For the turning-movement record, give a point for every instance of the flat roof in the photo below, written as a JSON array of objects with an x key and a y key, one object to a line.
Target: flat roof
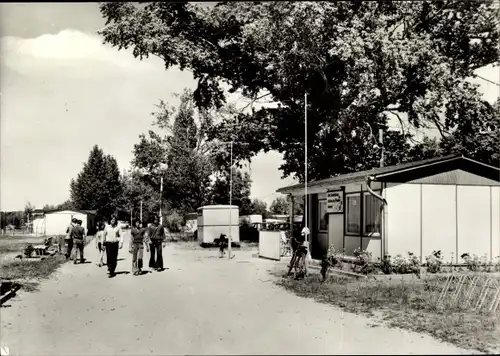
[{"x": 405, "y": 171}]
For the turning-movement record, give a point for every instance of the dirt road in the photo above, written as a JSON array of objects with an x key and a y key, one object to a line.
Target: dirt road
[{"x": 200, "y": 305}]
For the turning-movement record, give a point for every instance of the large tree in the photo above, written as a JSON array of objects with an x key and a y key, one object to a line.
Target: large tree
[
  {"x": 178, "y": 151},
  {"x": 360, "y": 62},
  {"x": 189, "y": 165},
  {"x": 240, "y": 192},
  {"x": 137, "y": 189},
  {"x": 98, "y": 185},
  {"x": 259, "y": 207}
]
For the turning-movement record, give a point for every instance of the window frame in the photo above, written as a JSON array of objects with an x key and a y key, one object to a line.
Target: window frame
[
  {"x": 347, "y": 209},
  {"x": 366, "y": 233},
  {"x": 318, "y": 220}
]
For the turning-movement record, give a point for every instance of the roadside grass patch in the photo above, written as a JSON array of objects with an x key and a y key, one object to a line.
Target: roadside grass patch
[
  {"x": 404, "y": 304},
  {"x": 28, "y": 272}
]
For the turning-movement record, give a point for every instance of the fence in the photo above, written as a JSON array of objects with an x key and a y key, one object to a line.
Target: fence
[{"x": 473, "y": 291}]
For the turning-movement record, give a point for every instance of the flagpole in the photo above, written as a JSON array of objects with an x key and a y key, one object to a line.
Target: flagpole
[
  {"x": 306, "y": 205},
  {"x": 306, "y": 198}
]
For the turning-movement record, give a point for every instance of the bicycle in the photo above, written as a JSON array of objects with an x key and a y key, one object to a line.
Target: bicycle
[{"x": 298, "y": 262}]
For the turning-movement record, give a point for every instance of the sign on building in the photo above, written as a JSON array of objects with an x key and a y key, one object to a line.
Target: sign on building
[{"x": 335, "y": 202}]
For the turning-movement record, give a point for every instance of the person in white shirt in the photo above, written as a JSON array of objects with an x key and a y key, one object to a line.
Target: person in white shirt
[{"x": 113, "y": 241}]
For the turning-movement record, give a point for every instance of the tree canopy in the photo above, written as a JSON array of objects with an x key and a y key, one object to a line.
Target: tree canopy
[
  {"x": 98, "y": 186},
  {"x": 360, "y": 62}
]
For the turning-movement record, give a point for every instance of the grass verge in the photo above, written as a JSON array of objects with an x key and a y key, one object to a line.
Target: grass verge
[
  {"x": 28, "y": 272},
  {"x": 407, "y": 305}
]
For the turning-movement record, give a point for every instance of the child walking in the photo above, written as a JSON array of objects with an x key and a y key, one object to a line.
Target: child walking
[{"x": 99, "y": 243}]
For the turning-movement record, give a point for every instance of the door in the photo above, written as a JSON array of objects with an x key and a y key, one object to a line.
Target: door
[{"x": 320, "y": 242}]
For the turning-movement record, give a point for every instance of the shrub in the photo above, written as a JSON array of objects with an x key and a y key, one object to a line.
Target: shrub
[
  {"x": 386, "y": 265},
  {"x": 404, "y": 265},
  {"x": 28, "y": 251},
  {"x": 472, "y": 263},
  {"x": 364, "y": 257},
  {"x": 249, "y": 233},
  {"x": 333, "y": 258},
  {"x": 434, "y": 261},
  {"x": 174, "y": 221},
  {"x": 497, "y": 264}
]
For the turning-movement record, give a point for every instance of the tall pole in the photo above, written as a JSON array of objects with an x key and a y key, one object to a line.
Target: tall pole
[
  {"x": 306, "y": 199},
  {"x": 230, "y": 200},
  {"x": 381, "y": 141},
  {"x": 131, "y": 212},
  {"x": 141, "y": 211},
  {"x": 161, "y": 199}
]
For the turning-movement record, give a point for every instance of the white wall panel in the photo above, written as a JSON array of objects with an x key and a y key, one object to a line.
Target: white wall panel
[
  {"x": 474, "y": 220},
  {"x": 439, "y": 220},
  {"x": 403, "y": 214},
  {"x": 495, "y": 223}
]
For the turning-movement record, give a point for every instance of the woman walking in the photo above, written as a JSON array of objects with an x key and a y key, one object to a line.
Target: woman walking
[
  {"x": 99, "y": 243},
  {"x": 137, "y": 247},
  {"x": 113, "y": 241},
  {"x": 156, "y": 239}
]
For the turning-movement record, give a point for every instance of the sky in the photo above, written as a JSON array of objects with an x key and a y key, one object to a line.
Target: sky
[{"x": 63, "y": 91}]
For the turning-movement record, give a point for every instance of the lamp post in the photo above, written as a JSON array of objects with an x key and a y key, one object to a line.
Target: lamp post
[{"x": 161, "y": 169}]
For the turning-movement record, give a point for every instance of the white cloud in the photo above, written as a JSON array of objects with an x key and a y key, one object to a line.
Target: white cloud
[
  {"x": 68, "y": 46},
  {"x": 63, "y": 93}
]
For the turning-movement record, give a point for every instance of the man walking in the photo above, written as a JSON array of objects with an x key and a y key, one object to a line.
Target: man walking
[
  {"x": 78, "y": 236},
  {"x": 156, "y": 239},
  {"x": 69, "y": 239},
  {"x": 113, "y": 241}
]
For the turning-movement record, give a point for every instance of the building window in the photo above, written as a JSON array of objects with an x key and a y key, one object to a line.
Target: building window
[
  {"x": 372, "y": 215},
  {"x": 322, "y": 216},
  {"x": 353, "y": 214}
]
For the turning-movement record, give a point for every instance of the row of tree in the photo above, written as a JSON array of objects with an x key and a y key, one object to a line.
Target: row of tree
[{"x": 178, "y": 150}]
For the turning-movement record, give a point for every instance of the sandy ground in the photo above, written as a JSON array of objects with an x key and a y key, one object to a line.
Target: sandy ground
[{"x": 200, "y": 305}]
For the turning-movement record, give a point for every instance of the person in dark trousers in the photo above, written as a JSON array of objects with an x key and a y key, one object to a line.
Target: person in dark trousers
[
  {"x": 99, "y": 242},
  {"x": 136, "y": 248},
  {"x": 78, "y": 237},
  {"x": 155, "y": 236},
  {"x": 113, "y": 241},
  {"x": 69, "y": 239}
]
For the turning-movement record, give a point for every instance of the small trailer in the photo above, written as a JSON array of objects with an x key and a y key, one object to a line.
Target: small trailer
[{"x": 214, "y": 220}]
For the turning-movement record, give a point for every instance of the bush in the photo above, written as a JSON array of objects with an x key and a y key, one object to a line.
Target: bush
[
  {"x": 404, "y": 265},
  {"x": 332, "y": 258},
  {"x": 174, "y": 222},
  {"x": 364, "y": 257},
  {"x": 28, "y": 251},
  {"x": 434, "y": 262},
  {"x": 386, "y": 265},
  {"x": 249, "y": 233}
]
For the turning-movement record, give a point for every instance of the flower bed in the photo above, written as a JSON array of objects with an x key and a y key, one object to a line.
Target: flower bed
[{"x": 404, "y": 265}]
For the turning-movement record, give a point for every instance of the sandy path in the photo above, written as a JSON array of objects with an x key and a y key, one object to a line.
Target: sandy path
[{"x": 200, "y": 305}]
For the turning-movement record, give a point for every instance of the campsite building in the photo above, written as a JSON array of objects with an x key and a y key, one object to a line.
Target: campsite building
[
  {"x": 55, "y": 222},
  {"x": 451, "y": 204}
]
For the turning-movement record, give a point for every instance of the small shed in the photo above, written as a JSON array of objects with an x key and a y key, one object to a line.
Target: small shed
[
  {"x": 451, "y": 204},
  {"x": 214, "y": 220},
  {"x": 57, "y": 221}
]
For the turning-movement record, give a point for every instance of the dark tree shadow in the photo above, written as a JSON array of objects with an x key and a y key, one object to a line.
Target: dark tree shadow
[
  {"x": 145, "y": 272},
  {"x": 122, "y": 272}
]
